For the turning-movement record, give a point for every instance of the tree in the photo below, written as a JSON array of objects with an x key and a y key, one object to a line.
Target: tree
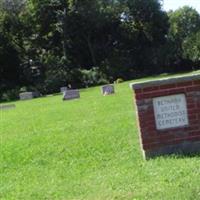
[
  {"x": 50, "y": 43},
  {"x": 10, "y": 44},
  {"x": 9, "y": 65},
  {"x": 145, "y": 27},
  {"x": 91, "y": 30},
  {"x": 191, "y": 48},
  {"x": 184, "y": 23}
]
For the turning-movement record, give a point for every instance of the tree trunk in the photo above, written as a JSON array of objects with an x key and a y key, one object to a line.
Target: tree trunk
[{"x": 91, "y": 51}]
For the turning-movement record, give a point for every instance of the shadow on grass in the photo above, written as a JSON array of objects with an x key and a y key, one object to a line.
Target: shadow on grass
[{"x": 179, "y": 155}]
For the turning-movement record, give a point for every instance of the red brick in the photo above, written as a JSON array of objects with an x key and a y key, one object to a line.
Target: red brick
[
  {"x": 193, "y": 88},
  {"x": 169, "y": 86},
  {"x": 138, "y": 91},
  {"x": 184, "y": 84},
  {"x": 197, "y": 82},
  {"x": 150, "y": 89}
]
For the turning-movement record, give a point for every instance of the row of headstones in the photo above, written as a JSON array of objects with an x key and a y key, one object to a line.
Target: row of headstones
[
  {"x": 22, "y": 96},
  {"x": 67, "y": 93},
  {"x": 75, "y": 94}
]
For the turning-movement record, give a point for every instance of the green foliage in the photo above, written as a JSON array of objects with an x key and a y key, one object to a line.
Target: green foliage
[
  {"x": 91, "y": 30},
  {"x": 23, "y": 89},
  {"x": 144, "y": 28},
  {"x": 58, "y": 74},
  {"x": 183, "y": 22},
  {"x": 191, "y": 47},
  {"x": 10, "y": 95},
  {"x": 9, "y": 64},
  {"x": 93, "y": 77},
  {"x": 149, "y": 20},
  {"x": 49, "y": 43}
]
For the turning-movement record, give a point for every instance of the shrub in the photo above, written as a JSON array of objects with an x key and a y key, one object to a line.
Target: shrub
[
  {"x": 93, "y": 77},
  {"x": 23, "y": 89},
  {"x": 10, "y": 95}
]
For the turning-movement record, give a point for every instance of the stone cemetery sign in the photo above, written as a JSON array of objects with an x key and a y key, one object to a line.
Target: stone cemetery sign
[
  {"x": 71, "y": 94},
  {"x": 7, "y": 107},
  {"x": 107, "y": 90},
  {"x": 168, "y": 112},
  {"x": 28, "y": 95}
]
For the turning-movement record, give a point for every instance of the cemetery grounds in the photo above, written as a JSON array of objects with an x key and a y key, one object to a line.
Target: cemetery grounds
[{"x": 86, "y": 149}]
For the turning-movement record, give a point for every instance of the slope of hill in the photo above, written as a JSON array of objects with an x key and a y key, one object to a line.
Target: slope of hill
[{"x": 86, "y": 149}]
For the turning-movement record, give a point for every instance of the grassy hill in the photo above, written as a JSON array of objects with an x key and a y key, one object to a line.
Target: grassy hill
[{"x": 86, "y": 149}]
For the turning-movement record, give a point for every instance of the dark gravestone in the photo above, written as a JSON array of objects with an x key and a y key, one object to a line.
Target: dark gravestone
[
  {"x": 71, "y": 94},
  {"x": 7, "y": 107},
  {"x": 28, "y": 95},
  {"x": 107, "y": 90}
]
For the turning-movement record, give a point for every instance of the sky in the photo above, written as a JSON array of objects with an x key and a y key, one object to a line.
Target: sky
[{"x": 175, "y": 4}]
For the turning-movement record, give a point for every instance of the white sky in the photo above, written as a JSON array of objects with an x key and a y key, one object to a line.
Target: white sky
[{"x": 175, "y": 4}]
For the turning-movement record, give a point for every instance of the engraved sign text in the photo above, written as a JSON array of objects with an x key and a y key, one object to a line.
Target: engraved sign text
[{"x": 170, "y": 111}]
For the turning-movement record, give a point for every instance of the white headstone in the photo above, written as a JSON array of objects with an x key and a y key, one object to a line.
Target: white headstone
[
  {"x": 170, "y": 111},
  {"x": 107, "y": 89}
]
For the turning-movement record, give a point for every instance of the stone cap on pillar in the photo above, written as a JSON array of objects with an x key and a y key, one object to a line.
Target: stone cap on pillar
[{"x": 165, "y": 81}]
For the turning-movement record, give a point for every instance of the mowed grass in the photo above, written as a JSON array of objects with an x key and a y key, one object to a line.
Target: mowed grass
[{"x": 86, "y": 149}]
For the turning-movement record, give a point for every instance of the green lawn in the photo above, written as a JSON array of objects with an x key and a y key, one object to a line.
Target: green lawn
[{"x": 86, "y": 149}]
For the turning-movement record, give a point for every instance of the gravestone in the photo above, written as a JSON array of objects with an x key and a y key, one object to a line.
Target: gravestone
[
  {"x": 63, "y": 89},
  {"x": 168, "y": 113},
  {"x": 28, "y": 95},
  {"x": 7, "y": 106},
  {"x": 107, "y": 90},
  {"x": 71, "y": 94}
]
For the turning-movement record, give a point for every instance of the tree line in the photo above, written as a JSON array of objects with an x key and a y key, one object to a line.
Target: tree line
[{"x": 46, "y": 44}]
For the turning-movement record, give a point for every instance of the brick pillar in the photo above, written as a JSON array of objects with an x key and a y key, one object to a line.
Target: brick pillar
[{"x": 168, "y": 113}]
